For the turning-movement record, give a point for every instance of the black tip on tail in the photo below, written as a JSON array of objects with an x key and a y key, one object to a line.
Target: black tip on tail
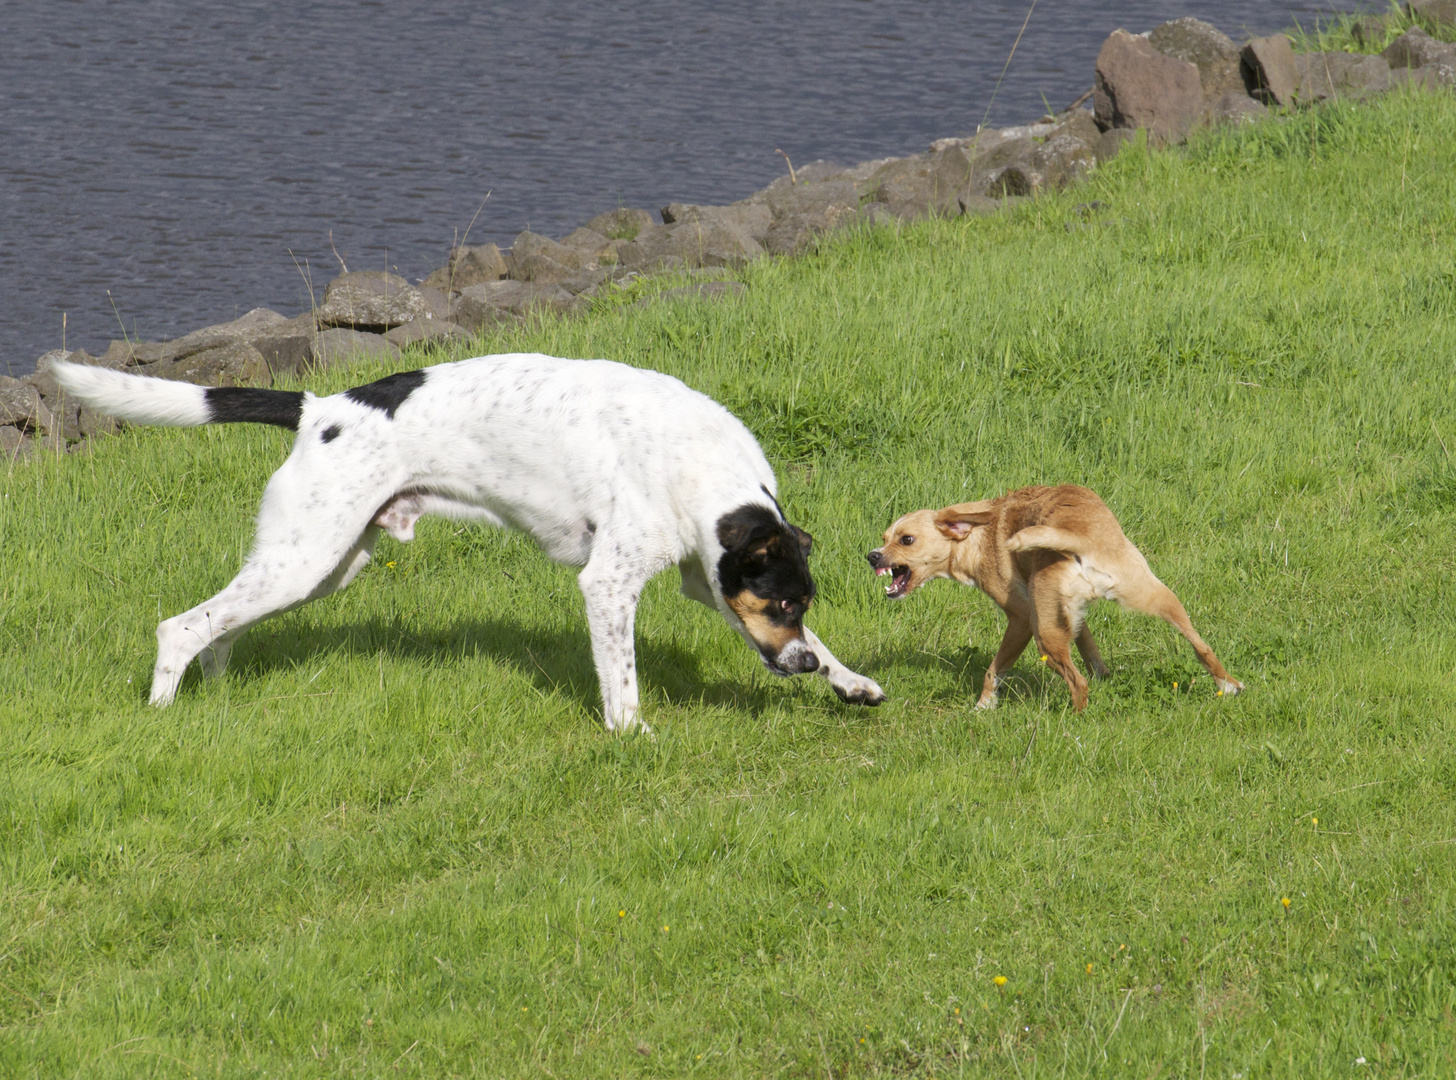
[{"x": 245, "y": 405}]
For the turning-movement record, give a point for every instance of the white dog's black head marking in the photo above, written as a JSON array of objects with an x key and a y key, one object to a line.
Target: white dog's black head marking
[
  {"x": 764, "y": 575},
  {"x": 389, "y": 393}
]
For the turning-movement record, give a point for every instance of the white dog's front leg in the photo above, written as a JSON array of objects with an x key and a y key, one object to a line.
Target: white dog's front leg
[
  {"x": 611, "y": 590},
  {"x": 853, "y": 688}
]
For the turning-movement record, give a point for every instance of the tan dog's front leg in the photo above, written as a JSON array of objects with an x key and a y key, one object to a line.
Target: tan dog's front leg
[{"x": 1013, "y": 643}]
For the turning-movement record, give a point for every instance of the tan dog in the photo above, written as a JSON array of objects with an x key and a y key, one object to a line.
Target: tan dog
[{"x": 1043, "y": 554}]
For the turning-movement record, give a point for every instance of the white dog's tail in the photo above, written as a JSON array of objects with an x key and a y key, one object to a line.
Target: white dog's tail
[{"x": 140, "y": 399}]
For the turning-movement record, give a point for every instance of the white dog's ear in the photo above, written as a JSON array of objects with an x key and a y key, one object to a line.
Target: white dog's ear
[{"x": 956, "y": 522}]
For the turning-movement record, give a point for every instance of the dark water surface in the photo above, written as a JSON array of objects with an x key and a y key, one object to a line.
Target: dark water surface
[{"x": 167, "y": 165}]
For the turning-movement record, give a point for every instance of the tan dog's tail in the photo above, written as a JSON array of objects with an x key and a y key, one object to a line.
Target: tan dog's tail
[{"x": 1046, "y": 538}]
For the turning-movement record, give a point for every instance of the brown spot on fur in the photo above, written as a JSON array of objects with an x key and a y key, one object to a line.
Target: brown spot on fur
[{"x": 765, "y": 626}]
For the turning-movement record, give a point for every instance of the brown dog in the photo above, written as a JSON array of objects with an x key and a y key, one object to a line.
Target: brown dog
[{"x": 1043, "y": 554}]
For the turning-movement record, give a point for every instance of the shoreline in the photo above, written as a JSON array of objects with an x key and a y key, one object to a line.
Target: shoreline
[{"x": 1178, "y": 78}]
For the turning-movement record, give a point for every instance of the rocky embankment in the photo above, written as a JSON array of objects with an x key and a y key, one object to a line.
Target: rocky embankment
[{"x": 1181, "y": 76}]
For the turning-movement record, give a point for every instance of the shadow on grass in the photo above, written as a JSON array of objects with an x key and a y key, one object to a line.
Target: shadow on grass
[{"x": 557, "y": 661}]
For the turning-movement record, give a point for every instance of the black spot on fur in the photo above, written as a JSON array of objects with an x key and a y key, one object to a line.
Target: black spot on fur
[
  {"x": 246, "y": 405},
  {"x": 767, "y": 557},
  {"x": 389, "y": 393},
  {"x": 330, "y": 433}
]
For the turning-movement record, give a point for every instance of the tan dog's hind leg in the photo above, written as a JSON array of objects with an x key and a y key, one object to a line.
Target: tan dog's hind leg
[
  {"x": 1054, "y": 621},
  {"x": 1141, "y": 591},
  {"x": 1090, "y": 656}
]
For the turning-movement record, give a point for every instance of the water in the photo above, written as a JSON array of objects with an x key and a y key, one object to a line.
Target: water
[{"x": 165, "y": 165}]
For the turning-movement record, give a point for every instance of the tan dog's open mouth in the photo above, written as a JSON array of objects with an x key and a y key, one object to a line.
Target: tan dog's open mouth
[{"x": 899, "y": 580}]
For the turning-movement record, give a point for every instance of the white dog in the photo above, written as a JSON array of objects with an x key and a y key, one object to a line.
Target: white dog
[{"x": 611, "y": 468}]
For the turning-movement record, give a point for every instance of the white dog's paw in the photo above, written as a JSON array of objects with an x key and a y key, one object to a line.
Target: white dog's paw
[
  {"x": 1228, "y": 687},
  {"x": 855, "y": 689}
]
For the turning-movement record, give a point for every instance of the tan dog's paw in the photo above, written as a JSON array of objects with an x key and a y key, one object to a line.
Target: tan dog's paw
[
  {"x": 1229, "y": 687},
  {"x": 987, "y": 702}
]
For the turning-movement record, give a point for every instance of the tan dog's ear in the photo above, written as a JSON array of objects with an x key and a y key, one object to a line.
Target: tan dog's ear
[{"x": 955, "y": 522}]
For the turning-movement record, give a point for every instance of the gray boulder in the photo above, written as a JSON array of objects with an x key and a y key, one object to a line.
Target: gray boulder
[
  {"x": 437, "y": 330},
  {"x": 286, "y": 347},
  {"x": 437, "y": 302},
  {"x": 1078, "y": 123},
  {"x": 1369, "y": 30},
  {"x": 1270, "y": 70},
  {"x": 370, "y": 300},
  {"x": 342, "y": 345},
  {"x": 1136, "y": 86},
  {"x": 468, "y": 266},
  {"x": 1233, "y": 108},
  {"x": 1340, "y": 75},
  {"x": 1417, "y": 49},
  {"x": 13, "y": 444},
  {"x": 584, "y": 279},
  {"x": 22, "y": 408},
  {"x": 922, "y": 185},
  {"x": 1416, "y": 78},
  {"x": 540, "y": 259},
  {"x": 623, "y": 223},
  {"x": 752, "y": 218},
  {"x": 591, "y": 245},
  {"x": 233, "y": 363},
  {"x": 1113, "y": 141},
  {"x": 1061, "y": 160},
  {"x": 1433, "y": 12},
  {"x": 803, "y": 211},
  {"x": 493, "y": 302},
  {"x": 1207, "y": 48},
  {"x": 689, "y": 244}
]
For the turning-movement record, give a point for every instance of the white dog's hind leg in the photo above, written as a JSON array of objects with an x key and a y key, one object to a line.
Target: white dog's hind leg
[
  {"x": 270, "y": 582},
  {"x": 856, "y": 689},
  {"x": 611, "y": 584}
]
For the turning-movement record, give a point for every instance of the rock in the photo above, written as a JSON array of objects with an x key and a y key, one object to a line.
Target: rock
[
  {"x": 1060, "y": 161},
  {"x": 125, "y": 354},
  {"x": 540, "y": 259},
  {"x": 42, "y": 379},
  {"x": 1417, "y": 49},
  {"x": 802, "y": 211},
  {"x": 1078, "y": 123},
  {"x": 1369, "y": 30},
  {"x": 13, "y": 443},
  {"x": 1269, "y": 69},
  {"x": 1422, "y": 78},
  {"x": 925, "y": 184},
  {"x": 1207, "y": 48},
  {"x": 752, "y": 218},
  {"x": 1005, "y": 166},
  {"x": 370, "y": 300},
  {"x": 1113, "y": 141},
  {"x": 1340, "y": 75},
  {"x": 1138, "y": 87},
  {"x": 287, "y": 347},
  {"x": 816, "y": 172},
  {"x": 437, "y": 302},
  {"x": 1432, "y": 12},
  {"x": 693, "y": 243},
  {"x": 621, "y": 224},
  {"x": 589, "y": 244},
  {"x": 1234, "y": 107},
  {"x": 707, "y": 290},
  {"x": 22, "y": 408},
  {"x": 582, "y": 280},
  {"x": 235, "y": 363},
  {"x": 341, "y": 345},
  {"x": 468, "y": 266},
  {"x": 413, "y": 333},
  {"x": 494, "y": 302},
  {"x": 256, "y": 323}
]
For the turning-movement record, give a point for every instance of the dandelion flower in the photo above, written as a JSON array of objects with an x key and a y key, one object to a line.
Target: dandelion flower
[
  {"x": 1089, "y": 969},
  {"x": 664, "y": 929},
  {"x": 1314, "y": 821},
  {"x": 1286, "y": 902},
  {"x": 622, "y": 914},
  {"x": 999, "y": 980},
  {"x": 389, "y": 565}
]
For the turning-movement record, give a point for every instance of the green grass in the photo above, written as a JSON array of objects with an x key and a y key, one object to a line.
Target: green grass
[
  {"x": 1336, "y": 32},
  {"x": 396, "y": 841}
]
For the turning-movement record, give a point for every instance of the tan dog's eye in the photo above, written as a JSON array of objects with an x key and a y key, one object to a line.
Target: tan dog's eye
[{"x": 907, "y": 540}]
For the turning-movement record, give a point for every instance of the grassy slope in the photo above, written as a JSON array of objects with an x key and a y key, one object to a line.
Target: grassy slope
[{"x": 395, "y": 839}]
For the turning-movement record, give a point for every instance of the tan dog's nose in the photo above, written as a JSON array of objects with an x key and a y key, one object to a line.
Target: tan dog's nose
[{"x": 876, "y": 558}]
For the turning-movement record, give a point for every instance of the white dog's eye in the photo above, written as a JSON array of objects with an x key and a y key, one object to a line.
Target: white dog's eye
[{"x": 907, "y": 540}]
